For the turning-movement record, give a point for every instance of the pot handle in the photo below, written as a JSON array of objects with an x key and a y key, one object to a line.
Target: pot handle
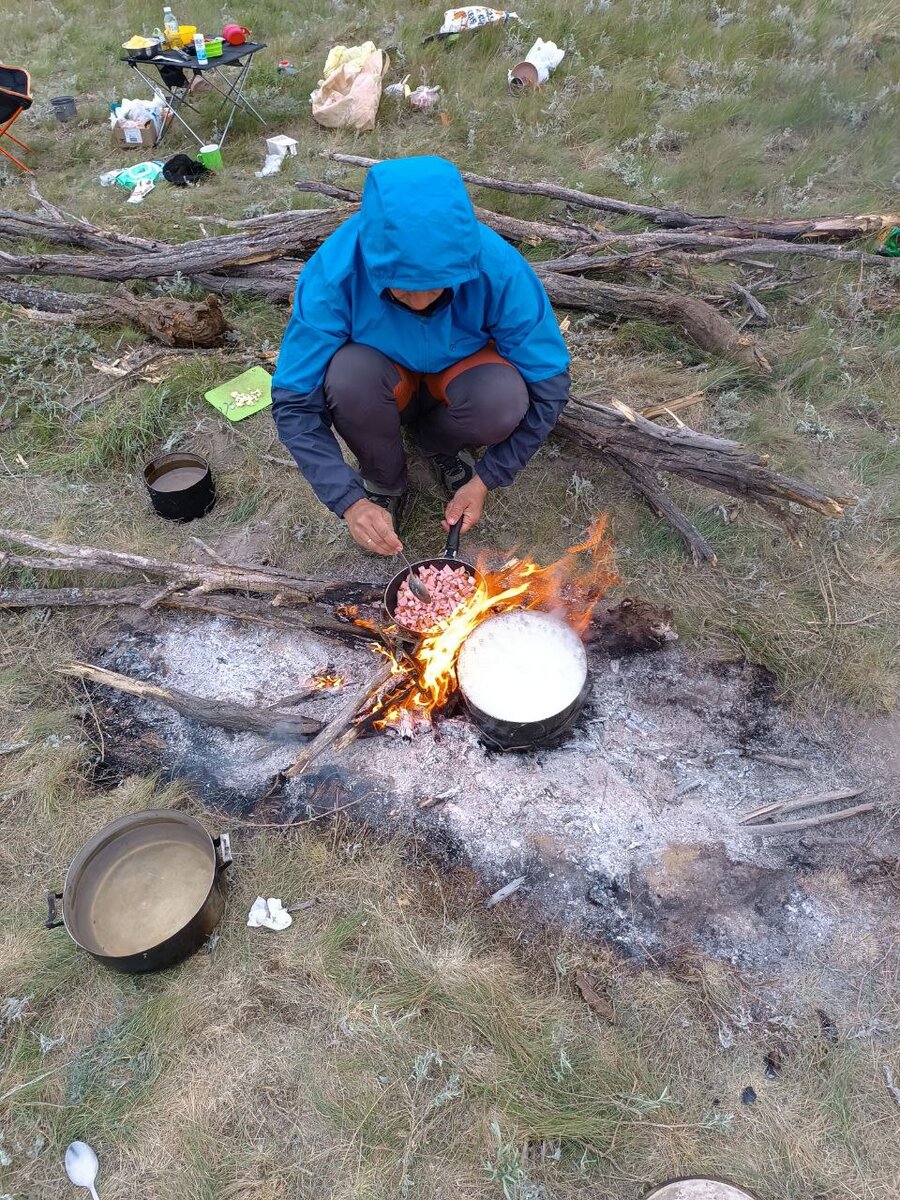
[
  {"x": 451, "y": 550},
  {"x": 224, "y": 857},
  {"x": 53, "y": 919}
]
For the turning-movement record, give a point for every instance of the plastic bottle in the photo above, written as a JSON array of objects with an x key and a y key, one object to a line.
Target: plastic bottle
[
  {"x": 170, "y": 26},
  {"x": 200, "y": 47}
]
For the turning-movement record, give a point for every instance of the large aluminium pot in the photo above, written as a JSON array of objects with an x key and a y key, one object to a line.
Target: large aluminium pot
[
  {"x": 539, "y": 666},
  {"x": 698, "y": 1189},
  {"x": 145, "y": 891}
]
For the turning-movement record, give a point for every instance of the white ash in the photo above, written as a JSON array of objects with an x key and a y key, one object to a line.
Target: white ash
[
  {"x": 636, "y": 810},
  {"x": 522, "y": 666}
]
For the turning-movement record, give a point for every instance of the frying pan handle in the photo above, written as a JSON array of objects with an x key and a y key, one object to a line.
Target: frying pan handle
[
  {"x": 53, "y": 919},
  {"x": 451, "y": 550},
  {"x": 224, "y": 857}
]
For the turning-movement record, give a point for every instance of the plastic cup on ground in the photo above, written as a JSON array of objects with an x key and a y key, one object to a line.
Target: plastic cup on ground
[{"x": 210, "y": 156}]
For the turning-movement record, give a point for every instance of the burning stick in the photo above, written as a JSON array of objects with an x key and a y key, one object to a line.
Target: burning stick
[
  {"x": 349, "y": 710},
  {"x": 321, "y": 685}
]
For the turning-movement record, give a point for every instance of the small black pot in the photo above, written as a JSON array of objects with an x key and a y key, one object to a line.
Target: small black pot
[{"x": 181, "y": 486}]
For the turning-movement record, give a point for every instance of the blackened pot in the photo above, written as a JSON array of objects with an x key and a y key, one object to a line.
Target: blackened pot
[
  {"x": 145, "y": 891},
  {"x": 181, "y": 486},
  {"x": 527, "y": 651},
  {"x": 526, "y": 735}
]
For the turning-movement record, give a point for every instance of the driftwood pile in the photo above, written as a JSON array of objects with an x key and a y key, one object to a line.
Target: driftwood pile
[{"x": 264, "y": 256}]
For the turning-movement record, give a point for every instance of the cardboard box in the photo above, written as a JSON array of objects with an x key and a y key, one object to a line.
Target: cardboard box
[{"x": 126, "y": 134}]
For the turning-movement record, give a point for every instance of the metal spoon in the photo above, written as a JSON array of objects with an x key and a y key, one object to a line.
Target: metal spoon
[
  {"x": 416, "y": 586},
  {"x": 82, "y": 1166}
]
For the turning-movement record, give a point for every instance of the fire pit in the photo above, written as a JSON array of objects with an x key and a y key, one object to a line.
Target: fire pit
[{"x": 527, "y": 670}]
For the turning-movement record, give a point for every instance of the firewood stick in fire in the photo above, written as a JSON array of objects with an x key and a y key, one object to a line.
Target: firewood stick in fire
[{"x": 340, "y": 721}]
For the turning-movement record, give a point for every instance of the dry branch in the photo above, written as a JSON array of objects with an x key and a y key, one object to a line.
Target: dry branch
[
  {"x": 205, "y": 577},
  {"x": 693, "y": 318},
  {"x": 811, "y": 822},
  {"x": 842, "y": 228},
  {"x": 241, "y": 608},
  {"x": 809, "y": 800},
  {"x": 648, "y": 486},
  {"x": 224, "y": 713}
]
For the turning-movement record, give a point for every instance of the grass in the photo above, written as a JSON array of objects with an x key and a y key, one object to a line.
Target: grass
[{"x": 397, "y": 1041}]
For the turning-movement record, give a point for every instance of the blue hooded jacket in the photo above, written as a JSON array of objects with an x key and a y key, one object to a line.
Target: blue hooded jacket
[{"x": 416, "y": 230}]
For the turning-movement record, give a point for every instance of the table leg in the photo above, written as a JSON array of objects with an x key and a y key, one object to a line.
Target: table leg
[{"x": 172, "y": 101}]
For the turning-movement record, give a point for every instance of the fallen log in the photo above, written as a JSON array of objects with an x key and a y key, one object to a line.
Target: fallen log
[
  {"x": 179, "y": 323},
  {"x": 202, "y": 577},
  {"x": 678, "y": 246},
  {"x": 314, "y": 617},
  {"x": 841, "y": 228},
  {"x": 713, "y": 462},
  {"x": 226, "y": 714},
  {"x": 696, "y": 320}
]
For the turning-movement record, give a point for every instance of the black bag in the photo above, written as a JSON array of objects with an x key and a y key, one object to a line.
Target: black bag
[{"x": 181, "y": 170}]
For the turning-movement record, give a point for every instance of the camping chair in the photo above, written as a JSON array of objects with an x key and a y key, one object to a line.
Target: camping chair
[{"x": 15, "y": 97}]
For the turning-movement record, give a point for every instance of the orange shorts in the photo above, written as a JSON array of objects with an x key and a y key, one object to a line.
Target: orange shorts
[{"x": 436, "y": 384}]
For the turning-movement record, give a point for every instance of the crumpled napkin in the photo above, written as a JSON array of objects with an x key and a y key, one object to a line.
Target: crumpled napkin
[{"x": 268, "y": 914}]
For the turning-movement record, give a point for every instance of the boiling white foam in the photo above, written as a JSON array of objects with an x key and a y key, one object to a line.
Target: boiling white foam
[{"x": 522, "y": 666}]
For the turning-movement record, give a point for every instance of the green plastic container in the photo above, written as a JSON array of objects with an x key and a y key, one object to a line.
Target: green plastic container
[{"x": 214, "y": 48}]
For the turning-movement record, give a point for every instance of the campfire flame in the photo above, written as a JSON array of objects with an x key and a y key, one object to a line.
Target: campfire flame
[
  {"x": 569, "y": 588},
  {"x": 327, "y": 683}
]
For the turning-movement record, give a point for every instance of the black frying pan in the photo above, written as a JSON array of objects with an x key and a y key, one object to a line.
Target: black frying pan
[{"x": 450, "y": 558}]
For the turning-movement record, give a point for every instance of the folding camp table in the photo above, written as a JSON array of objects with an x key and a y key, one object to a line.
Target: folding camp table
[{"x": 169, "y": 74}]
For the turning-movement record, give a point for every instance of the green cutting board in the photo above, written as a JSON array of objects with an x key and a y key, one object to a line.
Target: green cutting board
[{"x": 256, "y": 377}]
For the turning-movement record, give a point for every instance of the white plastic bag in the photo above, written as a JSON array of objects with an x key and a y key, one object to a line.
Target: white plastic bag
[
  {"x": 349, "y": 95},
  {"x": 545, "y": 57}
]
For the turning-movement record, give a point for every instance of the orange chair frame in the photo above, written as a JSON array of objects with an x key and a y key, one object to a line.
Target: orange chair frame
[{"x": 5, "y": 128}]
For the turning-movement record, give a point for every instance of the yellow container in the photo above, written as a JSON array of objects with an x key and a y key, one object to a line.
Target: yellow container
[{"x": 186, "y": 34}]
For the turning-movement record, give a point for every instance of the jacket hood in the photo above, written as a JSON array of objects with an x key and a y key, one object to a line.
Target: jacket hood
[{"x": 417, "y": 227}]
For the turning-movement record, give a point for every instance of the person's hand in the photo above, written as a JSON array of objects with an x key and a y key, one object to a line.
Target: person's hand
[
  {"x": 467, "y": 503},
  {"x": 371, "y": 527}
]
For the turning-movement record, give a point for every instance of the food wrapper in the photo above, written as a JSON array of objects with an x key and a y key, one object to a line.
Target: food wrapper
[{"x": 459, "y": 20}]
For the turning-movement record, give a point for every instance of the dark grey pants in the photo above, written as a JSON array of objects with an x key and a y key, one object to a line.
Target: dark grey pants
[{"x": 476, "y": 402}]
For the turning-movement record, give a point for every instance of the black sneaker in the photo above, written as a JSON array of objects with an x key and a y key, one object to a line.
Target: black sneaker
[
  {"x": 395, "y": 505},
  {"x": 453, "y": 470}
]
